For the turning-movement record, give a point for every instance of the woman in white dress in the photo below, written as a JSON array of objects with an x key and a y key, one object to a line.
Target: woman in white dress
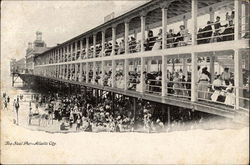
[
  {"x": 203, "y": 85},
  {"x": 157, "y": 45},
  {"x": 230, "y": 96}
]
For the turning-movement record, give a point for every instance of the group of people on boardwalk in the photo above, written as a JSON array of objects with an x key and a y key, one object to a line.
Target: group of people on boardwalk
[
  {"x": 214, "y": 31},
  {"x": 88, "y": 113}
]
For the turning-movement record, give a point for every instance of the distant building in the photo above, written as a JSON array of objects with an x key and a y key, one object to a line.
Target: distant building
[
  {"x": 17, "y": 66},
  {"x": 12, "y": 65},
  {"x": 35, "y": 48}
]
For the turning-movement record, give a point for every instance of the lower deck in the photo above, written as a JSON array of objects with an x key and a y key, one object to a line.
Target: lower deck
[{"x": 203, "y": 106}]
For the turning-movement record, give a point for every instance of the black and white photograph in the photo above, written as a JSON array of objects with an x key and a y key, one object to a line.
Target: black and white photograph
[{"x": 125, "y": 82}]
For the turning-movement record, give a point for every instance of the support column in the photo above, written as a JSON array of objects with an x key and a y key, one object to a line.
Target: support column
[
  {"x": 87, "y": 47},
  {"x": 194, "y": 75},
  {"x": 143, "y": 25},
  {"x": 211, "y": 67},
  {"x": 185, "y": 22},
  {"x": 149, "y": 61},
  {"x": 164, "y": 76},
  {"x": 113, "y": 39},
  {"x": 134, "y": 107},
  {"x": 87, "y": 72},
  {"x": 113, "y": 73},
  {"x": 135, "y": 34},
  {"x": 126, "y": 36},
  {"x": 76, "y": 50},
  {"x": 80, "y": 73},
  {"x": 65, "y": 54},
  {"x": 238, "y": 80},
  {"x": 67, "y": 71},
  {"x": 76, "y": 70},
  {"x": 237, "y": 22},
  {"x": 126, "y": 71},
  {"x": 164, "y": 12},
  {"x": 211, "y": 14},
  {"x": 94, "y": 71},
  {"x": 103, "y": 42},
  {"x": 94, "y": 44},
  {"x": 103, "y": 72},
  {"x": 71, "y": 52},
  {"x": 68, "y": 53},
  {"x": 81, "y": 47},
  {"x": 194, "y": 21},
  {"x": 245, "y": 18},
  {"x": 142, "y": 78},
  {"x": 70, "y": 71},
  {"x": 184, "y": 64},
  {"x": 59, "y": 71},
  {"x": 169, "y": 117}
]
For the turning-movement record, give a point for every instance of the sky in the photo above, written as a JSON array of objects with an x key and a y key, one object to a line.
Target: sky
[{"x": 57, "y": 20}]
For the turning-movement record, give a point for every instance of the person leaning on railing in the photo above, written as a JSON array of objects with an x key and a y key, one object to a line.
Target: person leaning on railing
[
  {"x": 218, "y": 26},
  {"x": 205, "y": 33},
  {"x": 121, "y": 49},
  {"x": 132, "y": 45},
  {"x": 170, "y": 38},
  {"x": 149, "y": 41},
  {"x": 228, "y": 33},
  {"x": 158, "y": 42},
  {"x": 182, "y": 36}
]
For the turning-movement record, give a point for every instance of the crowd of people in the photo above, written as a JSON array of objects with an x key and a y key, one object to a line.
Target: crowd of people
[
  {"x": 212, "y": 32},
  {"x": 86, "y": 112}
]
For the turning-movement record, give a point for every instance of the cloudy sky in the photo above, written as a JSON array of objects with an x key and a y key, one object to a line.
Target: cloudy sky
[{"x": 57, "y": 20}]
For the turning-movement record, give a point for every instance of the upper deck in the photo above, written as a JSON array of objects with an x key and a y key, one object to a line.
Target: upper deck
[{"x": 163, "y": 65}]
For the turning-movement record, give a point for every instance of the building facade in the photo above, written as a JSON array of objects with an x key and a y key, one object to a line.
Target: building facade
[{"x": 34, "y": 49}]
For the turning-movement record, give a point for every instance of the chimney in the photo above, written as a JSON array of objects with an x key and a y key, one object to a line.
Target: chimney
[{"x": 39, "y": 36}]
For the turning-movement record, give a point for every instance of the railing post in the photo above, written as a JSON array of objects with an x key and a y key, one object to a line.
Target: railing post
[
  {"x": 211, "y": 14},
  {"x": 185, "y": 21},
  {"x": 67, "y": 71},
  {"x": 76, "y": 70},
  {"x": 94, "y": 45},
  {"x": 87, "y": 72},
  {"x": 126, "y": 36},
  {"x": 75, "y": 50},
  {"x": 113, "y": 39},
  {"x": 143, "y": 25},
  {"x": 103, "y": 72},
  {"x": 164, "y": 76},
  {"x": 80, "y": 73},
  {"x": 142, "y": 78},
  {"x": 237, "y": 22},
  {"x": 211, "y": 67},
  {"x": 80, "y": 49},
  {"x": 113, "y": 73},
  {"x": 194, "y": 77},
  {"x": 126, "y": 71},
  {"x": 71, "y": 52},
  {"x": 194, "y": 21},
  {"x": 237, "y": 77},
  {"x": 184, "y": 64},
  {"x": 87, "y": 47},
  {"x": 94, "y": 71},
  {"x": 103, "y": 42},
  {"x": 68, "y": 53},
  {"x": 59, "y": 71},
  {"x": 245, "y": 20},
  {"x": 164, "y": 12}
]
